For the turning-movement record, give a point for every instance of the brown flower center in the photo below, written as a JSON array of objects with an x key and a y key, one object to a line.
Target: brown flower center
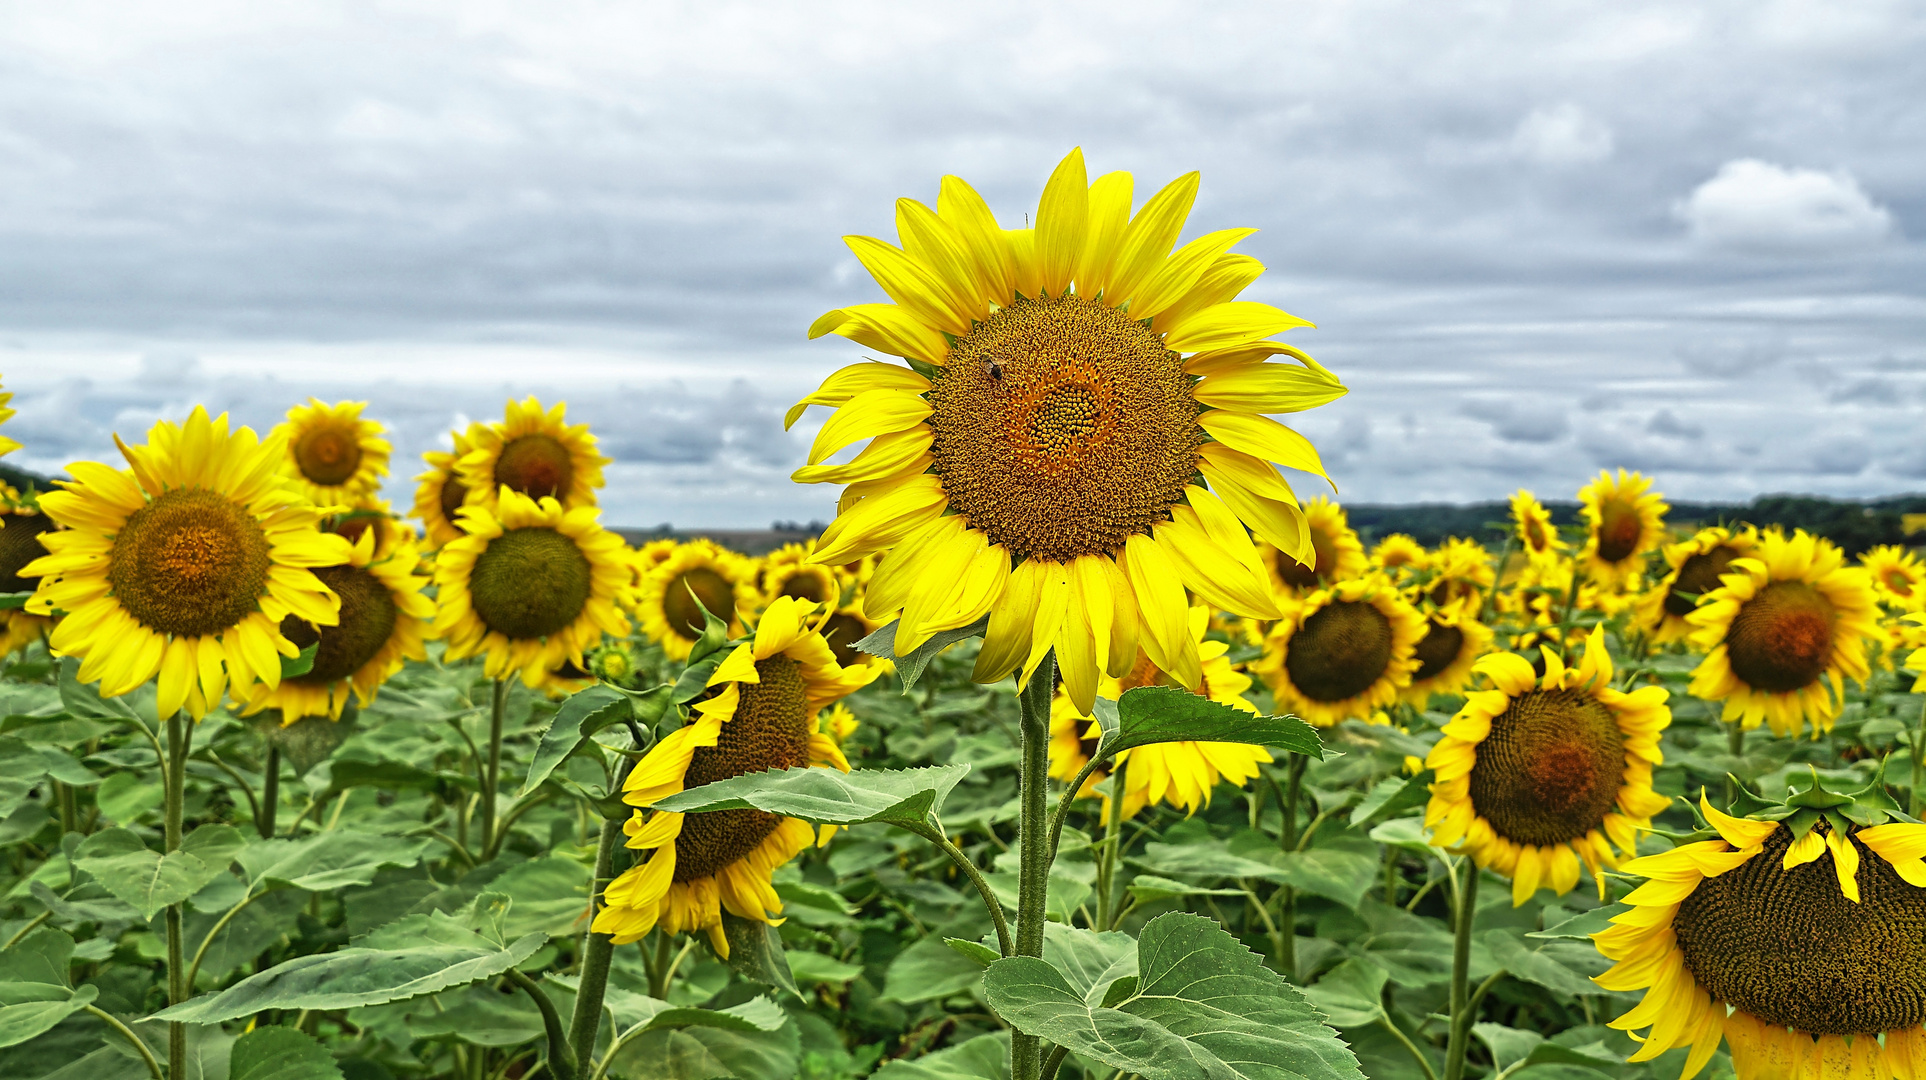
[
  {"x": 1619, "y": 529},
  {"x": 1340, "y": 651},
  {"x": 328, "y": 454},
  {"x": 530, "y": 583},
  {"x": 1698, "y": 575},
  {"x": 453, "y": 494},
  {"x": 538, "y": 466},
  {"x": 842, "y": 631},
  {"x": 189, "y": 563},
  {"x": 20, "y": 545},
  {"x": 1321, "y": 568},
  {"x": 681, "y": 610},
  {"x": 805, "y": 584},
  {"x": 1436, "y": 650},
  {"x": 769, "y": 731},
  {"x": 1550, "y": 769},
  {"x": 367, "y": 618},
  {"x": 1781, "y": 639}
]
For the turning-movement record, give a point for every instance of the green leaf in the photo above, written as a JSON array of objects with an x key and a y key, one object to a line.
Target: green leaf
[
  {"x": 1508, "y": 1046},
  {"x": 84, "y": 702},
  {"x": 907, "y": 797},
  {"x": 755, "y": 952},
  {"x": 986, "y": 1057},
  {"x": 1390, "y": 797},
  {"x": 30, "y": 1019},
  {"x": 581, "y": 716},
  {"x": 1157, "y": 714},
  {"x": 550, "y": 896},
  {"x": 814, "y": 968},
  {"x": 634, "y": 1013},
  {"x": 280, "y": 1053},
  {"x": 421, "y": 954},
  {"x": 882, "y": 642},
  {"x": 706, "y": 1053},
  {"x": 309, "y": 741},
  {"x": 478, "y": 1015},
  {"x": 1149, "y": 889},
  {"x": 1511, "y": 953},
  {"x": 1582, "y": 925},
  {"x": 42, "y": 957},
  {"x": 1343, "y": 874},
  {"x": 694, "y": 679},
  {"x": 124, "y": 797},
  {"x": 296, "y": 666},
  {"x": 975, "y": 950},
  {"x": 149, "y": 881},
  {"x": 1205, "y": 1008},
  {"x": 93, "y": 909},
  {"x": 14, "y": 600},
  {"x": 929, "y": 970},
  {"x": 328, "y": 861},
  {"x": 1351, "y": 994}
]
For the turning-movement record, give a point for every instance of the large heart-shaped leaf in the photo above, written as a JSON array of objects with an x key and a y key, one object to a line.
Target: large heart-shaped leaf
[
  {"x": 1158, "y": 714},
  {"x": 1203, "y": 1008},
  {"x": 907, "y": 797},
  {"x": 328, "y": 861},
  {"x": 34, "y": 989},
  {"x": 581, "y": 716},
  {"x": 148, "y": 880},
  {"x": 280, "y": 1053}
]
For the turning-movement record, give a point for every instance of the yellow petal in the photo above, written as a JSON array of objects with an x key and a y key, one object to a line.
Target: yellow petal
[
  {"x": 1062, "y": 218},
  {"x": 1109, "y": 216},
  {"x": 1269, "y": 388},
  {"x": 881, "y": 520},
  {"x": 910, "y": 284},
  {"x": 1264, "y": 438},
  {"x": 965, "y": 210},
  {"x": 1155, "y": 581},
  {"x": 1149, "y": 238},
  {"x": 847, "y": 382},
  {"x": 868, "y": 414},
  {"x": 1181, "y": 272}
]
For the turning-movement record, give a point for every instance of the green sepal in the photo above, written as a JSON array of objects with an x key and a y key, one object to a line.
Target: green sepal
[
  {"x": 715, "y": 632},
  {"x": 929, "y": 371},
  {"x": 1801, "y": 823},
  {"x": 295, "y": 666},
  {"x": 12, "y": 601}
]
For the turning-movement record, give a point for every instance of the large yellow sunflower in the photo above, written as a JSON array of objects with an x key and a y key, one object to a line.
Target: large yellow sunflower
[
  {"x": 1343, "y": 652},
  {"x": 440, "y": 491},
  {"x": 1447, "y": 654},
  {"x": 333, "y": 456},
  {"x": 1339, "y": 554},
  {"x": 1697, "y": 564},
  {"x": 383, "y": 620},
  {"x": 532, "y": 585},
  {"x": 185, "y": 567},
  {"x": 1784, "y": 939},
  {"x": 535, "y": 453},
  {"x": 1180, "y": 773},
  {"x": 762, "y": 715},
  {"x": 1785, "y": 621},
  {"x": 21, "y": 524},
  {"x": 1623, "y": 521},
  {"x": 1898, "y": 577},
  {"x": 700, "y": 570},
  {"x": 1537, "y": 775},
  {"x": 1038, "y": 462},
  {"x": 787, "y": 571},
  {"x": 1532, "y": 525}
]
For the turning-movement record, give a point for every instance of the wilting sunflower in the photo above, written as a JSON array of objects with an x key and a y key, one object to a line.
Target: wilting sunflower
[
  {"x": 1623, "y": 521},
  {"x": 333, "y": 456},
  {"x": 1784, "y": 939},
  {"x": 1447, "y": 654},
  {"x": 1398, "y": 552},
  {"x": 185, "y": 567},
  {"x": 1343, "y": 652},
  {"x": 1037, "y": 461},
  {"x": 1532, "y": 525},
  {"x": 700, "y": 570},
  {"x": 21, "y": 524},
  {"x": 1180, "y": 773},
  {"x": 1535, "y": 776},
  {"x": 787, "y": 571},
  {"x": 531, "y": 585},
  {"x": 1898, "y": 577},
  {"x": 1339, "y": 553},
  {"x": 1697, "y": 564},
  {"x": 534, "y": 453},
  {"x": 1785, "y": 620},
  {"x": 440, "y": 492},
  {"x": 762, "y": 715},
  {"x": 383, "y": 619}
]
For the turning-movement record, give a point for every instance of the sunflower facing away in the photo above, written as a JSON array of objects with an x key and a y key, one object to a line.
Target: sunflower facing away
[
  {"x": 1697, "y": 564},
  {"x": 1344, "y": 652},
  {"x": 1623, "y": 521},
  {"x": 333, "y": 456},
  {"x": 1532, "y": 525},
  {"x": 762, "y": 715},
  {"x": 535, "y": 453},
  {"x": 383, "y": 620},
  {"x": 439, "y": 492},
  {"x": 697, "y": 575},
  {"x": 531, "y": 585},
  {"x": 1339, "y": 553},
  {"x": 787, "y": 571},
  {"x": 1180, "y": 773},
  {"x": 1535, "y": 776},
  {"x": 185, "y": 567},
  {"x": 1784, "y": 622},
  {"x": 1798, "y": 948},
  {"x": 1037, "y": 460},
  {"x": 1898, "y": 577}
]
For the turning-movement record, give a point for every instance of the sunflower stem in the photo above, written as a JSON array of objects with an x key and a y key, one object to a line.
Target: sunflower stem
[
  {"x": 1462, "y": 1005},
  {"x": 1033, "y": 844},
  {"x": 1107, "y": 904},
  {"x": 270, "y": 793},
  {"x": 492, "y": 771},
  {"x": 173, "y": 781},
  {"x": 1916, "y": 797},
  {"x": 598, "y": 950},
  {"x": 1287, "y": 840},
  {"x": 1735, "y": 744}
]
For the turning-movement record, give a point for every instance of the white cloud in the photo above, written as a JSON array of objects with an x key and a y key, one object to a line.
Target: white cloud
[
  {"x": 1562, "y": 135},
  {"x": 1756, "y": 204}
]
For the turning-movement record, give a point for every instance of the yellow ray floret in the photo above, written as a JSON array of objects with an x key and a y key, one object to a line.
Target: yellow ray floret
[
  {"x": 1898, "y": 577},
  {"x": 1533, "y": 529},
  {"x": 1696, "y": 566},
  {"x": 440, "y": 493},
  {"x": 534, "y": 452}
]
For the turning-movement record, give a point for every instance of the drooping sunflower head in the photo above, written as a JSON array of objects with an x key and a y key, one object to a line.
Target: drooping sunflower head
[
  {"x": 1051, "y": 413},
  {"x": 1624, "y": 519},
  {"x": 1799, "y": 941},
  {"x": 1898, "y": 577},
  {"x": 1696, "y": 565},
  {"x": 383, "y": 622},
  {"x": 1343, "y": 652},
  {"x": 699, "y": 575},
  {"x": 1532, "y": 525},
  {"x": 1338, "y": 553},
  {"x": 761, "y": 713},
  {"x": 185, "y": 567},
  {"x": 531, "y": 585},
  {"x": 1453, "y": 641},
  {"x": 1538, "y": 775},
  {"x": 333, "y": 455},
  {"x": 440, "y": 493},
  {"x": 535, "y": 453},
  {"x": 1785, "y": 623},
  {"x": 787, "y": 571}
]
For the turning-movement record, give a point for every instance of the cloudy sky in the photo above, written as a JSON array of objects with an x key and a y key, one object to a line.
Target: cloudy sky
[{"x": 1537, "y": 239}]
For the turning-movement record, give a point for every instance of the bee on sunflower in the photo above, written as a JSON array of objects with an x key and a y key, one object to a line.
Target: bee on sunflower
[
  {"x": 1343, "y": 652},
  {"x": 1339, "y": 554},
  {"x": 762, "y": 713},
  {"x": 1898, "y": 577},
  {"x": 699, "y": 575},
  {"x": 1697, "y": 564},
  {"x": 533, "y": 452},
  {"x": 334, "y": 456},
  {"x": 1624, "y": 519},
  {"x": 1537, "y": 776},
  {"x": 440, "y": 492}
]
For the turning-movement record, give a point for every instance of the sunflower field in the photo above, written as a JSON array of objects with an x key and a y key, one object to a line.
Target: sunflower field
[{"x": 1079, "y": 744}]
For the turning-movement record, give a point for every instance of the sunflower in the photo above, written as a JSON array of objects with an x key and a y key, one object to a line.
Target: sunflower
[
  {"x": 1398, "y": 552},
  {"x": 1180, "y": 773},
  {"x": 654, "y": 554},
  {"x": 1537, "y": 775},
  {"x": 1697, "y": 564},
  {"x": 1460, "y": 574},
  {"x": 1784, "y": 938},
  {"x": 1911, "y": 634},
  {"x": 838, "y": 723},
  {"x": 7, "y": 446},
  {"x": 21, "y": 524},
  {"x": 440, "y": 492},
  {"x": 384, "y": 617},
  {"x": 762, "y": 714},
  {"x": 846, "y": 626},
  {"x": 1343, "y": 652},
  {"x": 531, "y": 584},
  {"x": 1623, "y": 521},
  {"x": 185, "y": 567},
  {"x": 1037, "y": 462},
  {"x": 700, "y": 570},
  {"x": 534, "y": 453},
  {"x": 1453, "y": 641},
  {"x": 333, "y": 456},
  {"x": 1784, "y": 621},
  {"x": 787, "y": 571},
  {"x": 1339, "y": 552},
  {"x": 1532, "y": 525},
  {"x": 1898, "y": 577}
]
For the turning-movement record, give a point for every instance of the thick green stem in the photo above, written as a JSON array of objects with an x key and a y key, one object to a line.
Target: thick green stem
[
  {"x": 1287, "y": 839},
  {"x": 1461, "y": 1003},
  {"x": 561, "y": 1061},
  {"x": 597, "y": 951},
  {"x": 1033, "y": 843},
  {"x": 270, "y": 793},
  {"x": 173, "y": 782},
  {"x": 491, "y": 780}
]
